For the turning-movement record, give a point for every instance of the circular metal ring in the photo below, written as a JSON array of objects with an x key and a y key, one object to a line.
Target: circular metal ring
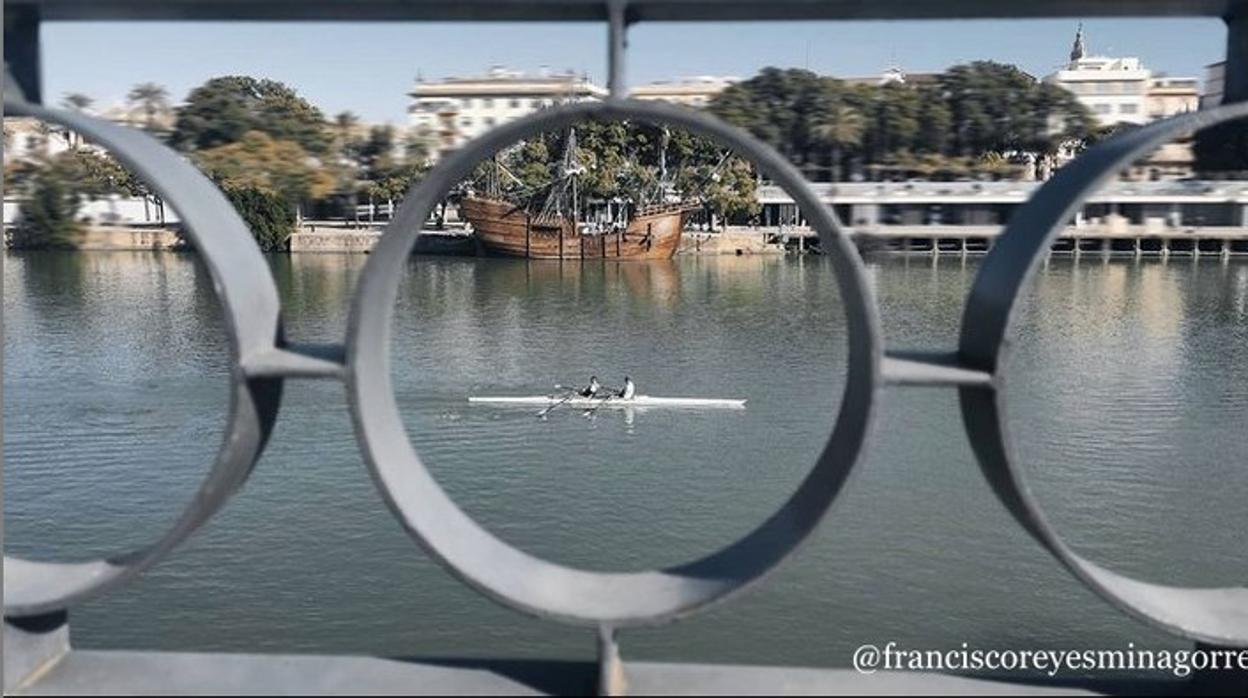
[
  {"x": 1213, "y": 615},
  {"x": 537, "y": 586},
  {"x": 250, "y": 307}
]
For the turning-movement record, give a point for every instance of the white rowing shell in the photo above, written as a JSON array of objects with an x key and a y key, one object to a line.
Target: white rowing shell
[{"x": 636, "y": 401}]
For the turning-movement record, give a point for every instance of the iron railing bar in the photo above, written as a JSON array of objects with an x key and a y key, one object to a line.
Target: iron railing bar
[
  {"x": 934, "y": 369},
  {"x": 298, "y": 361},
  {"x": 598, "y": 10},
  {"x": 617, "y": 45}
]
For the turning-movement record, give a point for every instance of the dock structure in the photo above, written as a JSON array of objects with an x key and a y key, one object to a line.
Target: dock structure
[
  {"x": 1188, "y": 217},
  {"x": 953, "y": 240}
]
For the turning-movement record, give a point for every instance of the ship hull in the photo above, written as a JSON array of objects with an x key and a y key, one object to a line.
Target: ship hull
[{"x": 503, "y": 229}]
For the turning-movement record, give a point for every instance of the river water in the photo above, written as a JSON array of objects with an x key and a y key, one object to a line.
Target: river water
[{"x": 1128, "y": 392}]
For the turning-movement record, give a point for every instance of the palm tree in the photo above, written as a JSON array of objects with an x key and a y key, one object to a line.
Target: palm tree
[
  {"x": 840, "y": 126},
  {"x": 76, "y": 101},
  {"x": 152, "y": 99},
  {"x": 345, "y": 122}
]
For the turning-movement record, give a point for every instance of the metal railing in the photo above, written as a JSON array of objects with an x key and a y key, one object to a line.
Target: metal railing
[{"x": 37, "y": 595}]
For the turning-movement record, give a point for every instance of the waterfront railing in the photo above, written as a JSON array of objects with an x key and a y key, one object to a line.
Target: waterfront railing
[{"x": 38, "y": 595}]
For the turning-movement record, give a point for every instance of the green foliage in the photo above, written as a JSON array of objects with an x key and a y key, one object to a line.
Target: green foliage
[
  {"x": 779, "y": 107},
  {"x": 372, "y": 167},
  {"x": 632, "y": 161},
  {"x": 261, "y": 162},
  {"x": 824, "y": 125},
  {"x": 395, "y": 182},
  {"x": 153, "y": 99},
  {"x": 47, "y": 218},
  {"x": 267, "y": 214},
  {"x": 224, "y": 109}
]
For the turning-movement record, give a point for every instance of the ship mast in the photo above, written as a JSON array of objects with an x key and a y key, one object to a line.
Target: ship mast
[{"x": 562, "y": 199}]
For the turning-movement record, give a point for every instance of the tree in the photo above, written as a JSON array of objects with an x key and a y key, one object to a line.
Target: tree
[
  {"x": 345, "y": 122},
  {"x": 77, "y": 101},
  {"x": 998, "y": 107},
  {"x": 74, "y": 101},
  {"x": 47, "y": 218},
  {"x": 635, "y": 162},
  {"x": 346, "y": 143},
  {"x": 935, "y": 123},
  {"x": 266, "y": 213},
  {"x": 259, "y": 161},
  {"x": 895, "y": 121},
  {"x": 970, "y": 110},
  {"x": 778, "y": 107},
  {"x": 375, "y": 154},
  {"x": 223, "y": 110},
  {"x": 416, "y": 145},
  {"x": 839, "y": 127},
  {"x": 152, "y": 99}
]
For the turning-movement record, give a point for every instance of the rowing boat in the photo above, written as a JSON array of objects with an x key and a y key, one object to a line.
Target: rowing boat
[{"x": 635, "y": 401}]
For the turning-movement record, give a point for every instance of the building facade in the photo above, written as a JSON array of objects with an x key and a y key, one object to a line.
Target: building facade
[
  {"x": 27, "y": 139},
  {"x": 1120, "y": 207},
  {"x": 1169, "y": 96},
  {"x": 696, "y": 92},
  {"x": 1215, "y": 81},
  {"x": 1115, "y": 90},
  {"x": 895, "y": 75},
  {"x": 452, "y": 111}
]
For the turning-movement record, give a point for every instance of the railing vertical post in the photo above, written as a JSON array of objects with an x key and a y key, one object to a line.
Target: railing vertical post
[
  {"x": 21, "y": 52},
  {"x": 617, "y": 43},
  {"x": 611, "y": 680},
  {"x": 1235, "y": 88},
  {"x": 32, "y": 646}
]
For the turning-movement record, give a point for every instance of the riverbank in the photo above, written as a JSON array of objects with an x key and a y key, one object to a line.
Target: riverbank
[
  {"x": 459, "y": 241},
  {"x": 120, "y": 238},
  {"x": 1140, "y": 241}
]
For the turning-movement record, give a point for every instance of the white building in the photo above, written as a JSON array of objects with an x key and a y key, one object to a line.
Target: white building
[
  {"x": 1169, "y": 96},
  {"x": 694, "y": 92},
  {"x": 452, "y": 111},
  {"x": 26, "y": 139},
  {"x": 1215, "y": 84},
  {"x": 894, "y": 75},
  {"x": 1115, "y": 90}
]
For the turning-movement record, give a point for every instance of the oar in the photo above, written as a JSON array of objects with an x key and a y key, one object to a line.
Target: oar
[
  {"x": 571, "y": 394},
  {"x": 590, "y": 412}
]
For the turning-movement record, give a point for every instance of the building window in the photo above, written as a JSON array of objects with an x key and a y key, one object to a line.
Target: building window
[
  {"x": 467, "y": 102},
  {"x": 487, "y": 102},
  {"x": 1128, "y": 108},
  {"x": 1102, "y": 108},
  {"x": 489, "y": 121},
  {"x": 515, "y": 104},
  {"x": 466, "y": 121}
]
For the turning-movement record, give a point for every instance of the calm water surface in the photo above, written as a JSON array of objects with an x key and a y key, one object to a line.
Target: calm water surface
[{"x": 1128, "y": 391}]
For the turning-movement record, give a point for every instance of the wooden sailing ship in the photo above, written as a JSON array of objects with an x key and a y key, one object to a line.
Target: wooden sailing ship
[{"x": 556, "y": 231}]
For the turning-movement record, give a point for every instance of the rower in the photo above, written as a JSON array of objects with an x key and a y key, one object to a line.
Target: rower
[
  {"x": 629, "y": 390},
  {"x": 592, "y": 389}
]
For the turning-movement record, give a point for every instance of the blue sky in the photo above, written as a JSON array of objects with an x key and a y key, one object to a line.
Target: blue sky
[{"x": 368, "y": 68}]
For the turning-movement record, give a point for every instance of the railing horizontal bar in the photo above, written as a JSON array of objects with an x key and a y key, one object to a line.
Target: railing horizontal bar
[
  {"x": 930, "y": 369},
  {"x": 298, "y": 361},
  {"x": 596, "y": 10}
]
